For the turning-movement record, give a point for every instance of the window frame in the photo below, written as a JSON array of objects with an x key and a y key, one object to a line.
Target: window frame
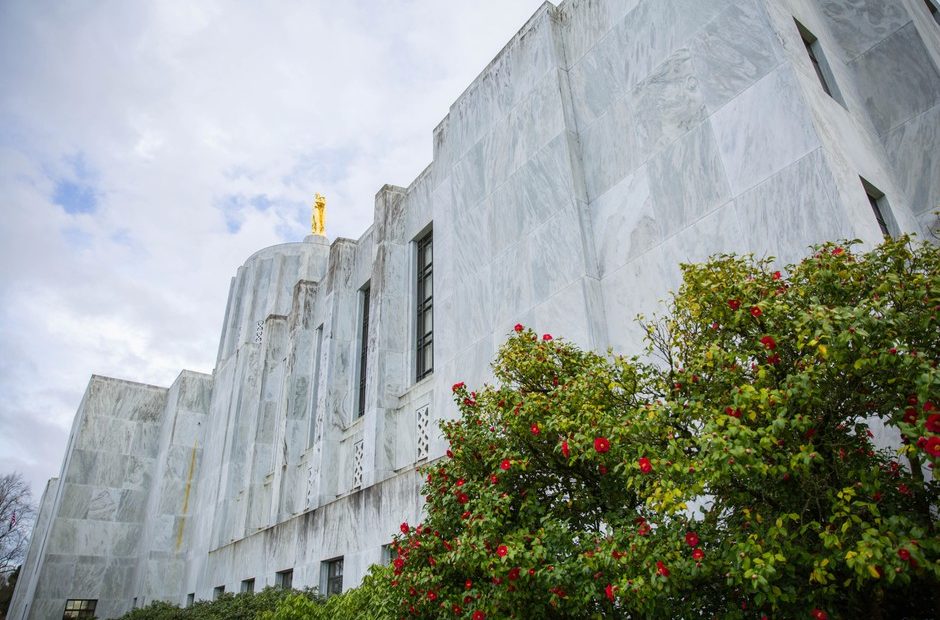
[
  {"x": 217, "y": 592},
  {"x": 817, "y": 58},
  {"x": 284, "y": 579},
  {"x": 248, "y": 585},
  {"x": 330, "y": 578},
  {"x": 424, "y": 304},
  {"x": 881, "y": 209},
  {"x": 365, "y": 299},
  {"x": 79, "y": 608}
]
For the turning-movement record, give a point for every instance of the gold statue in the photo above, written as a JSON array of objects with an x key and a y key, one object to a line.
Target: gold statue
[{"x": 318, "y": 218}]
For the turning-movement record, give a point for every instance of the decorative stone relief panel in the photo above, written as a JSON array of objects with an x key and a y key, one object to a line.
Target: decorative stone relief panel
[
  {"x": 259, "y": 332},
  {"x": 357, "y": 464},
  {"x": 422, "y": 417}
]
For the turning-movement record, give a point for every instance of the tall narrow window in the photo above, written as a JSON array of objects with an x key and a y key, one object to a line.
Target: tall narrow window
[
  {"x": 79, "y": 608},
  {"x": 217, "y": 592},
  {"x": 364, "y": 350},
  {"x": 425, "y": 305},
  {"x": 881, "y": 208},
  {"x": 816, "y": 57},
  {"x": 190, "y": 599},
  {"x": 934, "y": 10},
  {"x": 333, "y": 577},
  {"x": 314, "y": 393},
  {"x": 248, "y": 585}
]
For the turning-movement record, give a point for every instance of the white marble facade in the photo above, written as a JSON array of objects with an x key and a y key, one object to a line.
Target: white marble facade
[{"x": 608, "y": 142}]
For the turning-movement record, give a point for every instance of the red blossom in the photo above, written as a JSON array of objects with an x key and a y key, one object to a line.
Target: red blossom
[
  {"x": 404, "y": 528},
  {"x": 609, "y": 592},
  {"x": 450, "y": 454},
  {"x": 773, "y": 360},
  {"x": 644, "y": 529},
  {"x": 776, "y": 275},
  {"x": 462, "y": 498},
  {"x": 518, "y": 327},
  {"x": 756, "y": 312},
  {"x": 546, "y": 337},
  {"x": 399, "y": 564},
  {"x": 513, "y": 573},
  {"x": 691, "y": 539},
  {"x": 564, "y": 448},
  {"x": 479, "y": 615},
  {"x": 461, "y": 482},
  {"x": 910, "y": 415},
  {"x": 819, "y": 614},
  {"x": 502, "y": 550},
  {"x": 734, "y": 413},
  {"x": 645, "y": 466},
  {"x": 505, "y": 464},
  {"x": 468, "y": 584},
  {"x": 457, "y": 386},
  {"x": 734, "y": 304},
  {"x": 933, "y": 423},
  {"x": 933, "y": 446},
  {"x": 715, "y": 326},
  {"x": 494, "y": 479},
  {"x": 904, "y": 554},
  {"x": 661, "y": 569},
  {"x": 432, "y": 596},
  {"x": 838, "y": 251},
  {"x": 601, "y": 444},
  {"x": 698, "y": 554},
  {"x": 769, "y": 342},
  {"x": 929, "y": 406},
  {"x": 534, "y": 429}
]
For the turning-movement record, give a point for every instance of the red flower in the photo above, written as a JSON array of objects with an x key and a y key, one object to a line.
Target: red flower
[
  {"x": 564, "y": 448},
  {"x": 734, "y": 304},
  {"x": 904, "y": 554},
  {"x": 602, "y": 470},
  {"x": 479, "y": 615},
  {"x": 513, "y": 573},
  {"x": 457, "y": 386},
  {"x": 697, "y": 554},
  {"x": 933, "y": 446},
  {"x": 644, "y": 529},
  {"x": 502, "y": 550},
  {"x": 773, "y": 360},
  {"x": 462, "y": 498},
  {"x": 769, "y": 342},
  {"x": 734, "y": 413},
  {"x": 461, "y": 482},
  {"x": 645, "y": 466},
  {"x": 518, "y": 327},
  {"x": 404, "y": 528},
  {"x": 399, "y": 564},
  {"x": 547, "y": 337},
  {"x": 505, "y": 464},
  {"x": 450, "y": 454},
  {"x": 910, "y": 415},
  {"x": 756, "y": 312},
  {"x": 776, "y": 275},
  {"x": 838, "y": 252},
  {"x": 933, "y": 423},
  {"x": 819, "y": 614},
  {"x": 929, "y": 406},
  {"x": 432, "y": 596},
  {"x": 494, "y": 479},
  {"x": 609, "y": 592},
  {"x": 601, "y": 444},
  {"x": 715, "y": 326},
  {"x": 661, "y": 569},
  {"x": 691, "y": 539},
  {"x": 535, "y": 429}
]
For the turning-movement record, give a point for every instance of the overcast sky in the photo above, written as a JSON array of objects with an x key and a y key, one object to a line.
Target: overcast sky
[{"x": 148, "y": 148}]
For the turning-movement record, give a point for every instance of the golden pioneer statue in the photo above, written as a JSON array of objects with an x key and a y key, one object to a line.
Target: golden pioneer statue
[{"x": 318, "y": 218}]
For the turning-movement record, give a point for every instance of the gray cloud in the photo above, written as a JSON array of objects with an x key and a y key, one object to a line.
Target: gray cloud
[{"x": 195, "y": 134}]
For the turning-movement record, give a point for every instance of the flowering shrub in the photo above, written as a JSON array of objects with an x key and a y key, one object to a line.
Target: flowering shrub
[{"x": 734, "y": 473}]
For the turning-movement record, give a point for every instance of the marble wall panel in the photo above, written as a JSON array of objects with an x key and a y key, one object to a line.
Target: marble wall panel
[
  {"x": 733, "y": 51},
  {"x": 609, "y": 147},
  {"x": 858, "y": 25},
  {"x": 715, "y": 233},
  {"x": 512, "y": 285},
  {"x": 897, "y": 79},
  {"x": 764, "y": 129},
  {"x": 587, "y": 21},
  {"x": 912, "y": 149},
  {"x": 556, "y": 256},
  {"x": 687, "y": 180},
  {"x": 624, "y": 222},
  {"x": 792, "y": 210},
  {"x": 564, "y": 314},
  {"x": 74, "y": 501}
]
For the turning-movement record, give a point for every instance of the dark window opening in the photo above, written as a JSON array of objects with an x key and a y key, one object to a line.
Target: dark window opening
[
  {"x": 424, "y": 348},
  {"x": 881, "y": 208},
  {"x": 816, "y": 57},
  {"x": 79, "y": 608},
  {"x": 284, "y": 579},
  {"x": 217, "y": 592},
  {"x": 334, "y": 577},
  {"x": 190, "y": 599},
  {"x": 364, "y": 350},
  {"x": 934, "y": 11},
  {"x": 248, "y": 585}
]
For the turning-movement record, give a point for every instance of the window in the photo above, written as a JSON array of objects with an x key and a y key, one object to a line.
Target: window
[
  {"x": 217, "y": 592},
  {"x": 425, "y": 309},
  {"x": 284, "y": 579},
  {"x": 364, "y": 349},
  {"x": 190, "y": 599},
  {"x": 934, "y": 10},
  {"x": 312, "y": 429},
  {"x": 134, "y": 605},
  {"x": 248, "y": 585},
  {"x": 879, "y": 205},
  {"x": 816, "y": 57},
  {"x": 79, "y": 608},
  {"x": 334, "y": 577},
  {"x": 388, "y": 554}
]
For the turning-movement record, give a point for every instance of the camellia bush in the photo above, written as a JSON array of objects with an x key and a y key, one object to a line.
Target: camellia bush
[{"x": 770, "y": 456}]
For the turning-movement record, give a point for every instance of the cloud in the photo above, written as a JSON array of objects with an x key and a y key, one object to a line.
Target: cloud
[{"x": 148, "y": 148}]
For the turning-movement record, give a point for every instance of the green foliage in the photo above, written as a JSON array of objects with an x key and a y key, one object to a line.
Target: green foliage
[
  {"x": 242, "y": 606},
  {"x": 734, "y": 476}
]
